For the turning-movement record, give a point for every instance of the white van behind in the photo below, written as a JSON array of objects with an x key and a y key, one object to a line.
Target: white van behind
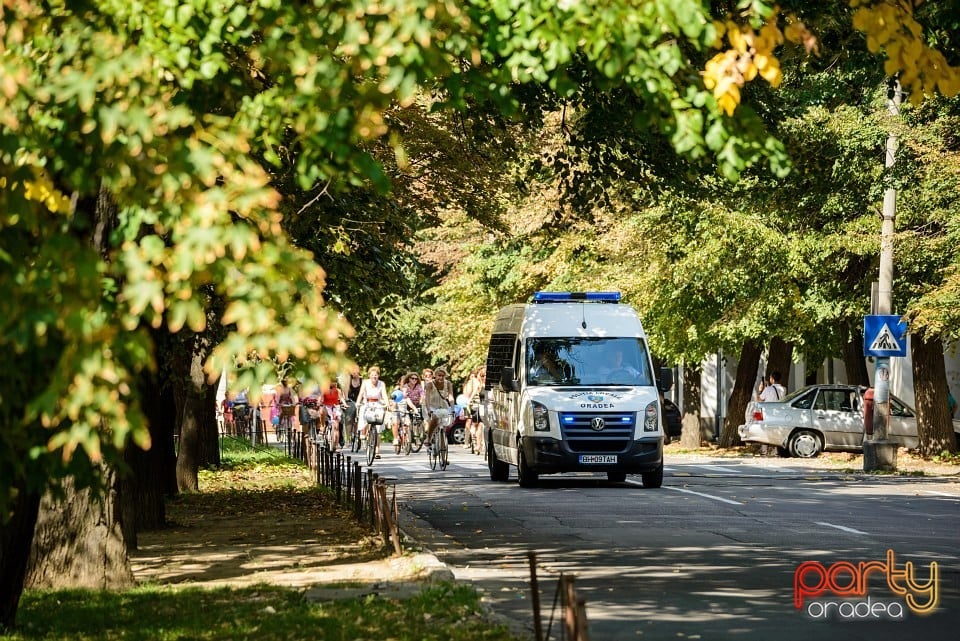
[{"x": 593, "y": 407}]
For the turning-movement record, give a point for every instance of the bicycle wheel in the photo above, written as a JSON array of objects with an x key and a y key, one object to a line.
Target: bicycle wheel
[
  {"x": 433, "y": 451},
  {"x": 331, "y": 437},
  {"x": 416, "y": 435},
  {"x": 405, "y": 439},
  {"x": 372, "y": 435},
  {"x": 444, "y": 447},
  {"x": 278, "y": 431}
]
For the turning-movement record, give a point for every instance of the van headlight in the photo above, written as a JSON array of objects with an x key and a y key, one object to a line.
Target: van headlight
[
  {"x": 650, "y": 422},
  {"x": 541, "y": 417}
]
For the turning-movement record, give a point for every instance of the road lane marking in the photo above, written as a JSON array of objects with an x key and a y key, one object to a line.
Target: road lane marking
[
  {"x": 840, "y": 527},
  {"x": 952, "y": 496},
  {"x": 721, "y": 468},
  {"x": 679, "y": 489}
]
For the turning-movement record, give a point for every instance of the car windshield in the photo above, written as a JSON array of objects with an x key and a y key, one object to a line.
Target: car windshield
[
  {"x": 800, "y": 392},
  {"x": 587, "y": 361}
]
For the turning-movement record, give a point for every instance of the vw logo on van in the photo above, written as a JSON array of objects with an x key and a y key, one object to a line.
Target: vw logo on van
[{"x": 597, "y": 424}]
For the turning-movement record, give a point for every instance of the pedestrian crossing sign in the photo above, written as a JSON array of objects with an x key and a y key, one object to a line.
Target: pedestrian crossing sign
[{"x": 884, "y": 336}]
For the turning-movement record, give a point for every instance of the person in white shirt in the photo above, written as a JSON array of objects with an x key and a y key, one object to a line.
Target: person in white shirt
[{"x": 774, "y": 391}]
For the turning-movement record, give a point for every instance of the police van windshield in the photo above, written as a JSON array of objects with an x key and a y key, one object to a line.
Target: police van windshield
[{"x": 587, "y": 361}]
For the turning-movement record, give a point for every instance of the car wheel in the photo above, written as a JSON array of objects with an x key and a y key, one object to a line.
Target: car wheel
[
  {"x": 616, "y": 477},
  {"x": 525, "y": 474},
  {"x": 458, "y": 435},
  {"x": 499, "y": 471},
  {"x": 805, "y": 444},
  {"x": 653, "y": 479}
]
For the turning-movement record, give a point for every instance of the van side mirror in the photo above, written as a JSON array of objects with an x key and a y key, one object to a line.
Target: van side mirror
[
  {"x": 508, "y": 380},
  {"x": 665, "y": 382}
]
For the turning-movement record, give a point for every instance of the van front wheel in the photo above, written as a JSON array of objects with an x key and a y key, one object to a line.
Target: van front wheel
[
  {"x": 525, "y": 474},
  {"x": 653, "y": 479}
]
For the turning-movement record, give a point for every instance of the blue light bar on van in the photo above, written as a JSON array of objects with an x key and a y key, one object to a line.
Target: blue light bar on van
[{"x": 576, "y": 297}]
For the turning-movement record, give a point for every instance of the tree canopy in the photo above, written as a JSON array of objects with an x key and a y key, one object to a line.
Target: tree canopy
[{"x": 149, "y": 153}]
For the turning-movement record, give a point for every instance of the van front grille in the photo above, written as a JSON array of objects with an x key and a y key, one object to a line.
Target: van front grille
[{"x": 581, "y": 435}]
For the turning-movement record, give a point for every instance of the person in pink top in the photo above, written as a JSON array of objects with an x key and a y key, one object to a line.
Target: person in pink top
[{"x": 331, "y": 401}]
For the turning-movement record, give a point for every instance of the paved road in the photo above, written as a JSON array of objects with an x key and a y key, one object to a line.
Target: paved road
[{"x": 711, "y": 555}]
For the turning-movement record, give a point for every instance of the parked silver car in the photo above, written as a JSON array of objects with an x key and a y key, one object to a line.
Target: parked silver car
[{"x": 823, "y": 417}]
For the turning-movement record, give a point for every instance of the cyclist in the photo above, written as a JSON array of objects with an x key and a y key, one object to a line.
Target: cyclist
[
  {"x": 437, "y": 395},
  {"x": 471, "y": 389},
  {"x": 286, "y": 400},
  {"x": 226, "y": 409},
  {"x": 310, "y": 411},
  {"x": 413, "y": 390},
  {"x": 398, "y": 410},
  {"x": 372, "y": 392},
  {"x": 269, "y": 414},
  {"x": 330, "y": 413},
  {"x": 353, "y": 384}
]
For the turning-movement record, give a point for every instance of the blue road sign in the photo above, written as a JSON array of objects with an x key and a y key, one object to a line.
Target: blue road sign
[{"x": 884, "y": 336}]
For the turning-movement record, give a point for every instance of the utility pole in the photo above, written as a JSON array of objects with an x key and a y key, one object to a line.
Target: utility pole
[{"x": 881, "y": 453}]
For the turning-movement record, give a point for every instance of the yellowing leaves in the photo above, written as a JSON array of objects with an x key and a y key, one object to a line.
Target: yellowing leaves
[
  {"x": 750, "y": 54},
  {"x": 890, "y": 27},
  {"x": 42, "y": 191}
]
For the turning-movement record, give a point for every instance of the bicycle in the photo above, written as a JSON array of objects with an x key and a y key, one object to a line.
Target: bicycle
[
  {"x": 350, "y": 426},
  {"x": 439, "y": 448},
  {"x": 285, "y": 426},
  {"x": 403, "y": 443},
  {"x": 241, "y": 420},
  {"x": 416, "y": 433},
  {"x": 373, "y": 417},
  {"x": 331, "y": 428}
]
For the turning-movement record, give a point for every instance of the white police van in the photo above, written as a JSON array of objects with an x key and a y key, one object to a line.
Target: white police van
[{"x": 570, "y": 388}]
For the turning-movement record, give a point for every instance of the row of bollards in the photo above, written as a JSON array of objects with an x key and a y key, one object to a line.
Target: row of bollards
[{"x": 363, "y": 490}]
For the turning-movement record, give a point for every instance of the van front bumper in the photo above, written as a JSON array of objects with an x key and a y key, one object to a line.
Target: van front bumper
[{"x": 552, "y": 456}]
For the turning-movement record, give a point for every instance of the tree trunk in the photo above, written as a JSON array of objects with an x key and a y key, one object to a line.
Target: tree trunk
[
  {"x": 779, "y": 359},
  {"x": 854, "y": 360},
  {"x": 153, "y": 472},
  {"x": 16, "y": 536},
  {"x": 209, "y": 430},
  {"x": 934, "y": 422},
  {"x": 691, "y": 434},
  {"x": 78, "y": 542},
  {"x": 192, "y": 427},
  {"x": 742, "y": 393}
]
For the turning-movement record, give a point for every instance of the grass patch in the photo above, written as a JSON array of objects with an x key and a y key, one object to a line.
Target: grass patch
[
  {"x": 264, "y": 613},
  {"x": 261, "y": 502}
]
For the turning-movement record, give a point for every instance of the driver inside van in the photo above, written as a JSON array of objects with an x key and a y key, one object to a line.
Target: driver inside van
[
  {"x": 617, "y": 364},
  {"x": 546, "y": 366}
]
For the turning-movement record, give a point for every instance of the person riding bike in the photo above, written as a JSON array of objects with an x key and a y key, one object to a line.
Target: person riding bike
[
  {"x": 471, "y": 389},
  {"x": 352, "y": 386},
  {"x": 437, "y": 395},
  {"x": 398, "y": 410},
  {"x": 372, "y": 392},
  {"x": 330, "y": 413},
  {"x": 286, "y": 400}
]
